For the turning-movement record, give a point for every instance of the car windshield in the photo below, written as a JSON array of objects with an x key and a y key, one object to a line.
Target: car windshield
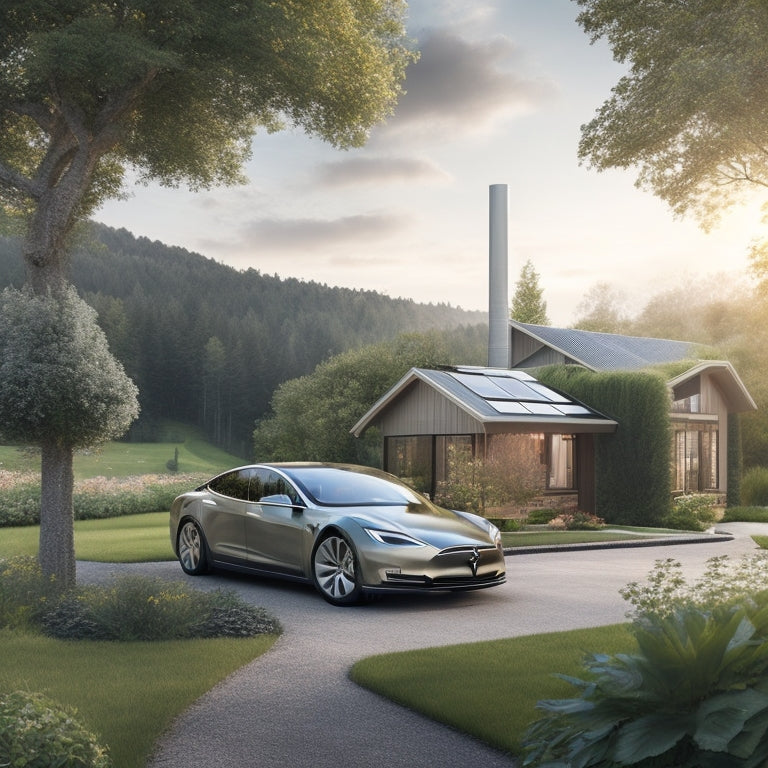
[{"x": 341, "y": 487}]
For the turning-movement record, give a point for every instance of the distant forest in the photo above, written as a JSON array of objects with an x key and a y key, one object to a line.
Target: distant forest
[{"x": 208, "y": 344}]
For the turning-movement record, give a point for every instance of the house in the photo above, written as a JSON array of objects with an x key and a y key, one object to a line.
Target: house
[
  {"x": 701, "y": 398},
  {"x": 485, "y": 411}
]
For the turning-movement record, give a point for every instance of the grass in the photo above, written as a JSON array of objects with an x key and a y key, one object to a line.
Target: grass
[
  {"x": 128, "y": 694},
  {"x": 126, "y": 539},
  {"x": 118, "y": 459},
  {"x": 492, "y": 688},
  {"x": 544, "y": 536}
]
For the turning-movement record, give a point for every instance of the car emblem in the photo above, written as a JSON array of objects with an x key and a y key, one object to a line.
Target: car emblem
[{"x": 474, "y": 560}]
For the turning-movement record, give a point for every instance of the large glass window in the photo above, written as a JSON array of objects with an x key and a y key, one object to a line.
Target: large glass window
[
  {"x": 410, "y": 459},
  {"x": 561, "y": 463},
  {"x": 695, "y": 466}
]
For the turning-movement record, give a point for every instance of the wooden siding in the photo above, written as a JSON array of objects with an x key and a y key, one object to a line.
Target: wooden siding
[{"x": 423, "y": 411}]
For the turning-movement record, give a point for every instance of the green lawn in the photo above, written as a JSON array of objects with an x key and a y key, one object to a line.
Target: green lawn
[
  {"x": 118, "y": 459},
  {"x": 126, "y": 693},
  {"x": 489, "y": 690}
]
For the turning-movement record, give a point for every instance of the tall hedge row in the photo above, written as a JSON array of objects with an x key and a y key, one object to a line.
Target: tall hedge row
[{"x": 632, "y": 466}]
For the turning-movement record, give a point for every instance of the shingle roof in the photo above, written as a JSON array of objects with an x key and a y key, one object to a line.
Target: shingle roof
[{"x": 609, "y": 351}]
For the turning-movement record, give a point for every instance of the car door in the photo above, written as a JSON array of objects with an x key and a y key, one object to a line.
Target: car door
[
  {"x": 275, "y": 529},
  {"x": 224, "y": 514}
]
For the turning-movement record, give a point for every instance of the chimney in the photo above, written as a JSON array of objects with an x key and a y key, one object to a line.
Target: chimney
[{"x": 498, "y": 301}]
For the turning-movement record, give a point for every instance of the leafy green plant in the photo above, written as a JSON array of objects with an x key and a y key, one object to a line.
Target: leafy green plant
[
  {"x": 754, "y": 487},
  {"x": 541, "y": 516},
  {"x": 576, "y": 521},
  {"x": 35, "y": 732},
  {"x": 25, "y": 593},
  {"x": 143, "y": 608},
  {"x": 745, "y": 515},
  {"x": 691, "y": 512},
  {"x": 693, "y": 696}
]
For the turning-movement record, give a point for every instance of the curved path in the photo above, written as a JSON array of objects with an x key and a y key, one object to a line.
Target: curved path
[{"x": 295, "y": 706}]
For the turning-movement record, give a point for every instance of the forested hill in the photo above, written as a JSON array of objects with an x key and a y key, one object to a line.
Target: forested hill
[{"x": 207, "y": 344}]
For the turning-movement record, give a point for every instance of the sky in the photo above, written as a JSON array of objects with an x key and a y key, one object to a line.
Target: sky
[{"x": 498, "y": 96}]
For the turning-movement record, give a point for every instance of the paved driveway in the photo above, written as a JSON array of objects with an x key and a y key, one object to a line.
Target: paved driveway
[{"x": 295, "y": 706}]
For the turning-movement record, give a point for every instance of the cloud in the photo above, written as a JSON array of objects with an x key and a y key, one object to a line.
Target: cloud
[
  {"x": 379, "y": 170},
  {"x": 302, "y": 234},
  {"x": 458, "y": 84}
]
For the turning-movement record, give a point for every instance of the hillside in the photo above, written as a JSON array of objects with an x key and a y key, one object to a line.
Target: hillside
[{"x": 207, "y": 344}]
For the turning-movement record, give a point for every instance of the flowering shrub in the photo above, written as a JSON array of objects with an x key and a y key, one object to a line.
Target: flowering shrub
[
  {"x": 576, "y": 521},
  {"x": 691, "y": 512},
  {"x": 142, "y": 608},
  {"x": 93, "y": 498},
  {"x": 36, "y": 733}
]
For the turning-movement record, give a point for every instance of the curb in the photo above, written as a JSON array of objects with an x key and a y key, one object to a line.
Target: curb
[{"x": 659, "y": 542}]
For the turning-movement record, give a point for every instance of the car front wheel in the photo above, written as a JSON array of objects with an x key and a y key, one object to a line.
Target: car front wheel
[
  {"x": 335, "y": 570},
  {"x": 191, "y": 548}
]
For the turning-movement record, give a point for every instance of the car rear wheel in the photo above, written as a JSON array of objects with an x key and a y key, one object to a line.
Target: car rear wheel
[
  {"x": 191, "y": 548},
  {"x": 335, "y": 570}
]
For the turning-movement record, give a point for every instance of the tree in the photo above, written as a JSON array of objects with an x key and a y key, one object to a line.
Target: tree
[
  {"x": 528, "y": 305},
  {"x": 690, "y": 112},
  {"x": 174, "y": 90},
  {"x": 600, "y": 310},
  {"x": 61, "y": 389},
  {"x": 312, "y": 416}
]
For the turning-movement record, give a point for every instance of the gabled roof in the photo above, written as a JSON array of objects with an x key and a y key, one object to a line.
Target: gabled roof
[
  {"x": 609, "y": 351},
  {"x": 724, "y": 374},
  {"x": 497, "y": 396}
]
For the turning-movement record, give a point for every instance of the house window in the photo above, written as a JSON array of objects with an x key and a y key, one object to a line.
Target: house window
[
  {"x": 696, "y": 459},
  {"x": 410, "y": 458},
  {"x": 561, "y": 465}
]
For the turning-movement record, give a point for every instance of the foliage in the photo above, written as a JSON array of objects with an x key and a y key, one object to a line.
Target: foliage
[
  {"x": 691, "y": 512},
  {"x": 142, "y": 608},
  {"x": 312, "y": 416},
  {"x": 93, "y": 498},
  {"x": 601, "y": 310},
  {"x": 632, "y": 475},
  {"x": 735, "y": 461},
  {"x": 36, "y": 732},
  {"x": 693, "y": 696},
  {"x": 58, "y": 380},
  {"x": 754, "y": 487},
  {"x": 528, "y": 305},
  {"x": 25, "y": 593},
  {"x": 689, "y": 112},
  {"x": 481, "y": 484},
  {"x": 541, "y": 516},
  {"x": 745, "y": 515},
  {"x": 576, "y": 521}
]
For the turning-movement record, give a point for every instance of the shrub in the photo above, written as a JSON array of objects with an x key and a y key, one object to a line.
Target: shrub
[
  {"x": 576, "y": 521},
  {"x": 694, "y": 695},
  {"x": 36, "y": 733},
  {"x": 754, "y": 487},
  {"x": 142, "y": 608},
  {"x": 745, "y": 515},
  {"x": 541, "y": 516},
  {"x": 24, "y": 592},
  {"x": 506, "y": 524},
  {"x": 94, "y": 498},
  {"x": 691, "y": 512}
]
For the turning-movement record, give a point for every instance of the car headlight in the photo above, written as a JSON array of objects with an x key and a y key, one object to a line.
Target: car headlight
[{"x": 393, "y": 538}]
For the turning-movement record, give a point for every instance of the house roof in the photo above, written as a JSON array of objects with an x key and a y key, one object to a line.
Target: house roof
[
  {"x": 724, "y": 374},
  {"x": 609, "y": 351},
  {"x": 497, "y": 397}
]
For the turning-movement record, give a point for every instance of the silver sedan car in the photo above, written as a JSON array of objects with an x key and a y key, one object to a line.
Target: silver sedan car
[{"x": 348, "y": 530}]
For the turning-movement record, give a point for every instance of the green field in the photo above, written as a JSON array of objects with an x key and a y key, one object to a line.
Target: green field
[{"x": 119, "y": 459}]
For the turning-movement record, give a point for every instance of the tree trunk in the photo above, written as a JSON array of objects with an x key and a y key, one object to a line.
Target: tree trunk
[{"x": 57, "y": 537}]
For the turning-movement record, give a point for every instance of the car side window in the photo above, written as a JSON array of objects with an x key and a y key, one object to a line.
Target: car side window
[
  {"x": 232, "y": 484},
  {"x": 273, "y": 484}
]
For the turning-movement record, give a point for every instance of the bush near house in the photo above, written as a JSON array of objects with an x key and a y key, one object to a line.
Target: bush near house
[
  {"x": 633, "y": 484},
  {"x": 754, "y": 487}
]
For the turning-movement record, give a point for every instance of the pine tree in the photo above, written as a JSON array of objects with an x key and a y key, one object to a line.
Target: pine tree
[{"x": 528, "y": 305}]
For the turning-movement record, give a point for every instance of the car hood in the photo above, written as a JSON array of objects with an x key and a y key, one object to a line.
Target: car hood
[{"x": 441, "y": 528}]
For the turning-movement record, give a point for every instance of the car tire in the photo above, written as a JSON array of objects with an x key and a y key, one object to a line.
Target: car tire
[
  {"x": 192, "y": 549},
  {"x": 335, "y": 570}
]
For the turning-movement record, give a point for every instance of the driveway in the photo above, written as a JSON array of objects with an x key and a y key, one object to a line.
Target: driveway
[{"x": 296, "y": 707}]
